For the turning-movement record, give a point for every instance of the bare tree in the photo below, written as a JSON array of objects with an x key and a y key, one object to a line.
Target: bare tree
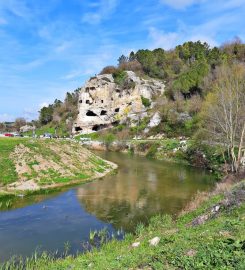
[
  {"x": 19, "y": 122},
  {"x": 2, "y": 127},
  {"x": 224, "y": 111}
]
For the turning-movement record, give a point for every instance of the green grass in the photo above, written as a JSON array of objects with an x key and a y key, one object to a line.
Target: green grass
[
  {"x": 217, "y": 244},
  {"x": 47, "y": 162},
  {"x": 7, "y": 168}
]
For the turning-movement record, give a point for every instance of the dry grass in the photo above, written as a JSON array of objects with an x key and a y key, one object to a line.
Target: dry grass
[
  {"x": 202, "y": 197},
  {"x": 199, "y": 198}
]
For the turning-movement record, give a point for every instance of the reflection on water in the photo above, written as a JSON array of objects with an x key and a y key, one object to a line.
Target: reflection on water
[{"x": 141, "y": 189}]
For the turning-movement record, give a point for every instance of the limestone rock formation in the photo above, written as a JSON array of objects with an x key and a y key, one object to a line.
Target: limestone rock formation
[{"x": 103, "y": 103}]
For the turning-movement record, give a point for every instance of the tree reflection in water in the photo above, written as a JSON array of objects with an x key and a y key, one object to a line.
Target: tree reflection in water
[{"x": 141, "y": 188}]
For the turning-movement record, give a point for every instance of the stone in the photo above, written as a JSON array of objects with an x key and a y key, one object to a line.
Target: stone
[
  {"x": 200, "y": 220},
  {"x": 104, "y": 104},
  {"x": 191, "y": 253},
  {"x": 27, "y": 128},
  {"x": 154, "y": 241},
  {"x": 183, "y": 117},
  {"x": 155, "y": 120},
  {"x": 136, "y": 244}
]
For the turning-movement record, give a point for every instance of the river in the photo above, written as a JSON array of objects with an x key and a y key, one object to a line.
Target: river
[{"x": 140, "y": 189}]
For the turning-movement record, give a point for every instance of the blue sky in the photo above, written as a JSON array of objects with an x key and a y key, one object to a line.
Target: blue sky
[{"x": 50, "y": 47}]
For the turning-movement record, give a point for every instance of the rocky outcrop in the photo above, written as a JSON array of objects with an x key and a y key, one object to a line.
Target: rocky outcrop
[
  {"x": 27, "y": 128},
  {"x": 103, "y": 103}
]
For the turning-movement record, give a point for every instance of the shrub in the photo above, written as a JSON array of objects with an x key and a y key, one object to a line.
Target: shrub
[
  {"x": 145, "y": 101},
  {"x": 134, "y": 66},
  {"x": 108, "y": 139},
  {"x": 120, "y": 77},
  {"x": 152, "y": 151},
  {"x": 108, "y": 70}
]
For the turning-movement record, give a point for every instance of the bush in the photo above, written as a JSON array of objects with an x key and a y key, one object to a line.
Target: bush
[
  {"x": 145, "y": 101},
  {"x": 108, "y": 70},
  {"x": 108, "y": 139},
  {"x": 120, "y": 77},
  {"x": 152, "y": 151},
  {"x": 134, "y": 66}
]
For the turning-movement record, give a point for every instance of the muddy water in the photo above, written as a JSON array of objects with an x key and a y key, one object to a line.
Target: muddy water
[{"x": 139, "y": 190}]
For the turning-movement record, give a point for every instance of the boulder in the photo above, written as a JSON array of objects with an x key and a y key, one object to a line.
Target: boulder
[
  {"x": 155, "y": 120},
  {"x": 136, "y": 244},
  {"x": 154, "y": 241}
]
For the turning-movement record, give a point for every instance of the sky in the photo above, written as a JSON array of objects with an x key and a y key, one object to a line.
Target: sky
[{"x": 50, "y": 47}]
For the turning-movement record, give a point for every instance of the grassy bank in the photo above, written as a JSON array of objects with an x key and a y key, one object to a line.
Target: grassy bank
[
  {"x": 177, "y": 150},
  {"x": 31, "y": 164},
  {"x": 210, "y": 234}
]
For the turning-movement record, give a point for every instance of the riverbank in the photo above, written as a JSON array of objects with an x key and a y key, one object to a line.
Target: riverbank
[
  {"x": 178, "y": 150},
  {"x": 209, "y": 234},
  {"x": 31, "y": 165}
]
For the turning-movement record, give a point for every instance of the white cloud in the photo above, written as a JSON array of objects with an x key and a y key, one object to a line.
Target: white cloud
[
  {"x": 6, "y": 117},
  {"x": 168, "y": 40},
  {"x": 164, "y": 40},
  {"x": 180, "y": 4},
  {"x": 16, "y": 7},
  {"x": 103, "y": 9},
  {"x": 43, "y": 104},
  {"x": 30, "y": 114}
]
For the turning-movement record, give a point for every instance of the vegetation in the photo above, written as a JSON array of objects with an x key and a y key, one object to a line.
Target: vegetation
[
  {"x": 210, "y": 236},
  {"x": 29, "y": 164},
  {"x": 204, "y": 97},
  {"x": 204, "y": 100},
  {"x": 145, "y": 101},
  {"x": 224, "y": 113},
  {"x": 7, "y": 168}
]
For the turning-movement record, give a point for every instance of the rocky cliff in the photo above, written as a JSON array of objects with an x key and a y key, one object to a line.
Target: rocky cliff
[{"x": 103, "y": 103}]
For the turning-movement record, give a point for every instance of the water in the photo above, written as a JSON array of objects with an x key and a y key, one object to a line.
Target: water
[{"x": 141, "y": 188}]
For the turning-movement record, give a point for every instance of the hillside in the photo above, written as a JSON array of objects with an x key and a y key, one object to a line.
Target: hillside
[
  {"x": 28, "y": 164},
  {"x": 188, "y": 74}
]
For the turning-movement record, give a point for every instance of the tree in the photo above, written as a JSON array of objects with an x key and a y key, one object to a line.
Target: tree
[
  {"x": 19, "y": 122},
  {"x": 224, "y": 111},
  {"x": 46, "y": 115},
  {"x": 2, "y": 127},
  {"x": 122, "y": 59}
]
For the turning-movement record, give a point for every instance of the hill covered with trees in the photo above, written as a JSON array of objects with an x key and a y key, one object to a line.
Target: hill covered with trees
[{"x": 188, "y": 71}]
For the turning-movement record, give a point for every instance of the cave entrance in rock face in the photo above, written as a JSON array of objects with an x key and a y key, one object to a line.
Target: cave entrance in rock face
[
  {"x": 103, "y": 112},
  {"x": 117, "y": 110},
  {"x": 78, "y": 129},
  {"x": 91, "y": 113},
  {"x": 99, "y": 127}
]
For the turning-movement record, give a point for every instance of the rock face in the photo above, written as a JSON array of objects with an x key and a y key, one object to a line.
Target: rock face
[
  {"x": 103, "y": 103},
  {"x": 27, "y": 128}
]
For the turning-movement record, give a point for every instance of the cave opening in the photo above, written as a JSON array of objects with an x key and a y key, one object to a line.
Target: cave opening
[
  {"x": 80, "y": 101},
  {"x": 96, "y": 128},
  {"x": 91, "y": 113},
  {"x": 117, "y": 110},
  {"x": 78, "y": 129},
  {"x": 115, "y": 123},
  {"x": 103, "y": 112},
  {"x": 87, "y": 101}
]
